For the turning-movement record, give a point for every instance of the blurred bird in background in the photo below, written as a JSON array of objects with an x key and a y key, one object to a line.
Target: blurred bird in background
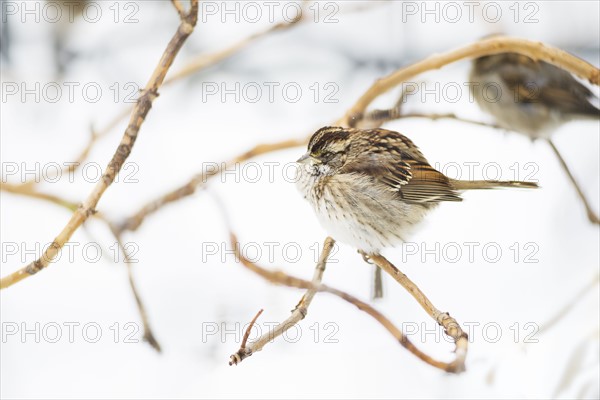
[{"x": 534, "y": 98}]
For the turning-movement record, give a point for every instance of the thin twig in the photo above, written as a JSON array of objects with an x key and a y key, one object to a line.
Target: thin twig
[
  {"x": 588, "y": 208},
  {"x": 72, "y": 166},
  {"x": 204, "y": 61},
  {"x": 250, "y": 326},
  {"x": 141, "y": 109},
  {"x": 385, "y": 116},
  {"x": 27, "y": 190},
  {"x": 148, "y": 334},
  {"x": 68, "y": 170},
  {"x": 201, "y": 62},
  {"x": 133, "y": 222},
  {"x": 30, "y": 191}
]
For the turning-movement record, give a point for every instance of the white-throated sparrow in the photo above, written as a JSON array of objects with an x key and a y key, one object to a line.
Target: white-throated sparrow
[
  {"x": 528, "y": 96},
  {"x": 531, "y": 97},
  {"x": 369, "y": 188}
]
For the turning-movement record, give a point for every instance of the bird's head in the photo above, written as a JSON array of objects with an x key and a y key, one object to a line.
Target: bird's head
[{"x": 327, "y": 151}]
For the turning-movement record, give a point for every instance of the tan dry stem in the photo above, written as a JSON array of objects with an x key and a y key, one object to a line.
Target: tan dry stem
[
  {"x": 315, "y": 286},
  {"x": 141, "y": 109}
]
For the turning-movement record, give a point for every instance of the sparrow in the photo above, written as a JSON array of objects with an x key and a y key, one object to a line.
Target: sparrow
[
  {"x": 371, "y": 188},
  {"x": 533, "y": 98}
]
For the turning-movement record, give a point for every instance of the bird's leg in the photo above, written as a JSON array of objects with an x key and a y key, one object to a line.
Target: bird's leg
[
  {"x": 377, "y": 284},
  {"x": 377, "y": 277},
  {"x": 365, "y": 257},
  {"x": 590, "y": 212}
]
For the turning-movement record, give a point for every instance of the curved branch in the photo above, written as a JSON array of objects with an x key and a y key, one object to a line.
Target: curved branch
[
  {"x": 494, "y": 45},
  {"x": 483, "y": 47},
  {"x": 451, "y": 327},
  {"x": 141, "y": 109}
]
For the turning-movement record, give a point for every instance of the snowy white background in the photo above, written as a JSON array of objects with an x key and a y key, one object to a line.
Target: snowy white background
[{"x": 340, "y": 352}]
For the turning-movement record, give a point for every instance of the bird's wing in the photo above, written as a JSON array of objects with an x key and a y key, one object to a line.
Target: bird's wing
[
  {"x": 395, "y": 161},
  {"x": 540, "y": 82}
]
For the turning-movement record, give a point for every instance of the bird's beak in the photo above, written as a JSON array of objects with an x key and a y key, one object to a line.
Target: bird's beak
[{"x": 304, "y": 159}]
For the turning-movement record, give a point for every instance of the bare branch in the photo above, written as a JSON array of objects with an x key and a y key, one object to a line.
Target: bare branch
[
  {"x": 73, "y": 166},
  {"x": 141, "y": 109},
  {"x": 435, "y": 117},
  {"x": 452, "y": 328},
  {"x": 132, "y": 223},
  {"x": 378, "y": 117},
  {"x": 298, "y": 314},
  {"x": 287, "y": 280},
  {"x": 148, "y": 334},
  {"x": 27, "y": 190},
  {"x": 356, "y": 113},
  {"x": 204, "y": 61},
  {"x": 494, "y": 45}
]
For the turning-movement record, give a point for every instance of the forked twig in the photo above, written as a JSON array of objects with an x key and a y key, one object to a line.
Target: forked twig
[
  {"x": 281, "y": 278},
  {"x": 250, "y": 326},
  {"x": 298, "y": 314}
]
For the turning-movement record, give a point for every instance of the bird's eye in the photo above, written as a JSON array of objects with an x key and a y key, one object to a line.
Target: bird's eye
[{"x": 326, "y": 155}]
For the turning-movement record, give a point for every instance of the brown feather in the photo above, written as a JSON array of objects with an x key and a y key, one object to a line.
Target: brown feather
[
  {"x": 395, "y": 161},
  {"x": 534, "y": 81}
]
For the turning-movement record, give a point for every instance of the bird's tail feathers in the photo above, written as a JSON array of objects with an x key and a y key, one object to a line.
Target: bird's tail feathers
[{"x": 481, "y": 184}]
